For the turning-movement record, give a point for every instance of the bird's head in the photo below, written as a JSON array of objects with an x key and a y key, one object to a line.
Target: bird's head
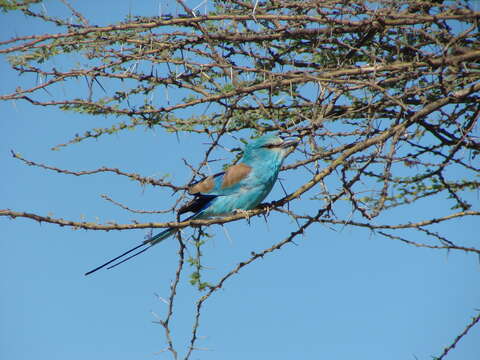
[{"x": 269, "y": 147}]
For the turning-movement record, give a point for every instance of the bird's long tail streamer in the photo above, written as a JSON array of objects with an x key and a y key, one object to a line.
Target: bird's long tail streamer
[{"x": 146, "y": 245}]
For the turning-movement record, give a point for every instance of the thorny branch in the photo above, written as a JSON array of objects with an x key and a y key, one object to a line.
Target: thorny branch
[{"x": 465, "y": 331}]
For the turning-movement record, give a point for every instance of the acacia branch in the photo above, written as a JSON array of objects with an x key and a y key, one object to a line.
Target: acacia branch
[
  {"x": 142, "y": 180},
  {"x": 465, "y": 331}
]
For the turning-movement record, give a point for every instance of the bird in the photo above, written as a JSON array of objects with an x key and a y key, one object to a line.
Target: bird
[{"x": 240, "y": 187}]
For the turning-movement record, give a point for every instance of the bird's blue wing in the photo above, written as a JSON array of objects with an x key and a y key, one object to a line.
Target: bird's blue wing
[
  {"x": 197, "y": 204},
  {"x": 222, "y": 184}
]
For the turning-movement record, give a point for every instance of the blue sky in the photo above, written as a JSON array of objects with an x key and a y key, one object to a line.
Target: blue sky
[{"x": 335, "y": 295}]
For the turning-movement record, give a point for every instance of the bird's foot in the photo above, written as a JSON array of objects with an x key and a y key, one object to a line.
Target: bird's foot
[
  {"x": 244, "y": 213},
  {"x": 268, "y": 208}
]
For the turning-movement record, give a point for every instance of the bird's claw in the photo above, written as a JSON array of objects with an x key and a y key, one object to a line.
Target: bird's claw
[
  {"x": 245, "y": 213},
  {"x": 268, "y": 208}
]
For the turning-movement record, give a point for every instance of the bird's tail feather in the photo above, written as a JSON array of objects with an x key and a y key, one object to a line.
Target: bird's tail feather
[{"x": 145, "y": 245}]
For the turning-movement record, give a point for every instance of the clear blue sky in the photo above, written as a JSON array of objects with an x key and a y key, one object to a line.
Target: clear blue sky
[{"x": 342, "y": 294}]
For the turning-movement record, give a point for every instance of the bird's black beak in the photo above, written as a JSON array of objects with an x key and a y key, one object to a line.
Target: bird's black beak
[{"x": 290, "y": 143}]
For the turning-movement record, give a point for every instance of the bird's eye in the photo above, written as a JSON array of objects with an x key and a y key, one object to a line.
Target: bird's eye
[{"x": 270, "y": 146}]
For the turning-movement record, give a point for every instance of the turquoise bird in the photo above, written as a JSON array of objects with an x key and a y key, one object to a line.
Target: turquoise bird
[{"x": 241, "y": 187}]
